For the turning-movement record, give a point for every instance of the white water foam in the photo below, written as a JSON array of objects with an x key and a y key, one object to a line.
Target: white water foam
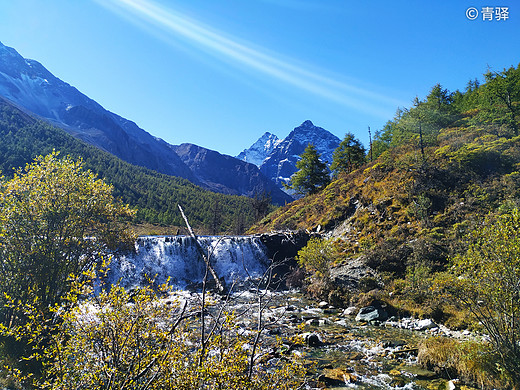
[{"x": 176, "y": 257}]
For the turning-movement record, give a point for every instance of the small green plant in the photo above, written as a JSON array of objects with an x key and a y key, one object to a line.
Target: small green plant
[{"x": 317, "y": 257}]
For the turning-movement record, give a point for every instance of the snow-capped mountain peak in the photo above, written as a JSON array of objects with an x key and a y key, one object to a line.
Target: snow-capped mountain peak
[
  {"x": 277, "y": 158},
  {"x": 259, "y": 151}
]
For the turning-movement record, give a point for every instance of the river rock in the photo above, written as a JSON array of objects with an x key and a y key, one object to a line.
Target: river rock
[
  {"x": 420, "y": 373},
  {"x": 312, "y": 339},
  {"x": 371, "y": 313},
  {"x": 425, "y": 324},
  {"x": 337, "y": 377},
  {"x": 349, "y": 311}
]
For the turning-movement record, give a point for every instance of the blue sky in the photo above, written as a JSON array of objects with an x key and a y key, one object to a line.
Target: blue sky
[{"x": 219, "y": 73}]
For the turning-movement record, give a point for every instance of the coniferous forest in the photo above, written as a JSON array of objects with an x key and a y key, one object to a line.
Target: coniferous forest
[{"x": 154, "y": 195}]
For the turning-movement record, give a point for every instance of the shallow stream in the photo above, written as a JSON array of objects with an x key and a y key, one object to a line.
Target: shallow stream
[
  {"x": 343, "y": 352},
  {"x": 349, "y": 354}
]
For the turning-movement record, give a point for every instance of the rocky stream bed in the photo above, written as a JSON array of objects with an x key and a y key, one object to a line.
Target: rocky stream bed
[
  {"x": 344, "y": 348},
  {"x": 357, "y": 348}
]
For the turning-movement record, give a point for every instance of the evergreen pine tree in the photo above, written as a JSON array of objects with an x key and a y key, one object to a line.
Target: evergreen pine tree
[
  {"x": 312, "y": 174},
  {"x": 349, "y": 155}
]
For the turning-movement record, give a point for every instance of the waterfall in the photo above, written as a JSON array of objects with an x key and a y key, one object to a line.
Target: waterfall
[{"x": 176, "y": 257}]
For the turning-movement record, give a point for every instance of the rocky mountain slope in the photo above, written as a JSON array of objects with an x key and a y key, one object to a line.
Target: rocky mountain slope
[
  {"x": 28, "y": 84},
  {"x": 260, "y": 150},
  {"x": 423, "y": 192},
  {"x": 32, "y": 87},
  {"x": 228, "y": 175}
]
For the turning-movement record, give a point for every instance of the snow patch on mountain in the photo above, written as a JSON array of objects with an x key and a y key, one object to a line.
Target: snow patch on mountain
[{"x": 259, "y": 151}]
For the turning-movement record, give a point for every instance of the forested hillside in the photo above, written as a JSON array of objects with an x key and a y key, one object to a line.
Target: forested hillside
[
  {"x": 433, "y": 172},
  {"x": 154, "y": 195}
]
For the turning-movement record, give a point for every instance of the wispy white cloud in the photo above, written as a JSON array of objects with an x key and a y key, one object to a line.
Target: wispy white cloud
[{"x": 149, "y": 14}]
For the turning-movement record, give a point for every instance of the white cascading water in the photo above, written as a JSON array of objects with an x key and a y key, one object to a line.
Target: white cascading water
[{"x": 159, "y": 257}]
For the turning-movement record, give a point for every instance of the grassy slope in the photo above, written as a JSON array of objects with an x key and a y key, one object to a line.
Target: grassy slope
[{"x": 416, "y": 207}]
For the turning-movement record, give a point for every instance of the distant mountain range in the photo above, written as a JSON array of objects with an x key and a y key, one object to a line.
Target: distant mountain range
[
  {"x": 219, "y": 172},
  {"x": 277, "y": 158},
  {"x": 33, "y": 88}
]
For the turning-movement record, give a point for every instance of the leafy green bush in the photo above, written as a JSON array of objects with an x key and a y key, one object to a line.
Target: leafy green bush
[
  {"x": 485, "y": 280},
  {"x": 317, "y": 257},
  {"x": 56, "y": 219}
]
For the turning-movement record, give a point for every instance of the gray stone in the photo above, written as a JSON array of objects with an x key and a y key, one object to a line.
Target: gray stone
[
  {"x": 371, "y": 313},
  {"x": 349, "y": 311},
  {"x": 313, "y": 340},
  {"x": 425, "y": 324},
  {"x": 349, "y": 274}
]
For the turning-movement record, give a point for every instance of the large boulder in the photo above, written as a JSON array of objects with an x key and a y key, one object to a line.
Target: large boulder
[
  {"x": 284, "y": 245},
  {"x": 371, "y": 313},
  {"x": 282, "y": 248}
]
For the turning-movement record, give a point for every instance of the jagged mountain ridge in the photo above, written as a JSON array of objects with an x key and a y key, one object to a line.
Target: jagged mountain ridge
[
  {"x": 29, "y": 85},
  {"x": 279, "y": 163}
]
